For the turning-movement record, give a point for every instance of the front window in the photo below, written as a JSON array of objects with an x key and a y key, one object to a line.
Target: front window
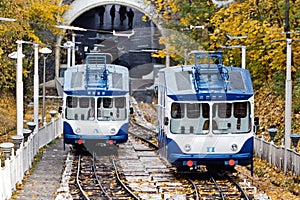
[
  {"x": 189, "y": 118},
  {"x": 80, "y": 108},
  {"x": 201, "y": 118},
  {"x": 111, "y": 109},
  {"x": 231, "y": 118},
  {"x": 91, "y": 108}
]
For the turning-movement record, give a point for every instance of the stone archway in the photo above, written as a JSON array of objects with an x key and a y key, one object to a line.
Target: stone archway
[{"x": 78, "y": 7}]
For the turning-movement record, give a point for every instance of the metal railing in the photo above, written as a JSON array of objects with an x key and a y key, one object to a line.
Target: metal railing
[
  {"x": 21, "y": 158},
  {"x": 275, "y": 155}
]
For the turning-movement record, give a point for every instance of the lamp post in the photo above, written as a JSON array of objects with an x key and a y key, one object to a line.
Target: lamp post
[
  {"x": 19, "y": 85},
  {"x": 36, "y": 87},
  {"x": 68, "y": 45},
  {"x": 288, "y": 97},
  {"x": 45, "y": 51},
  {"x": 288, "y": 100},
  {"x": 19, "y": 55}
]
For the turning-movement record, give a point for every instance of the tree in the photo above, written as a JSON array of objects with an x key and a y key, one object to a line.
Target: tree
[
  {"x": 261, "y": 20},
  {"x": 35, "y": 21},
  {"x": 178, "y": 16}
]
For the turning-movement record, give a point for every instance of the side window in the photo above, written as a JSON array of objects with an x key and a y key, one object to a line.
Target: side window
[
  {"x": 120, "y": 102},
  {"x": 193, "y": 110},
  {"x": 72, "y": 102},
  {"x": 205, "y": 110},
  {"x": 240, "y": 110},
  {"x": 224, "y": 110},
  {"x": 177, "y": 110}
]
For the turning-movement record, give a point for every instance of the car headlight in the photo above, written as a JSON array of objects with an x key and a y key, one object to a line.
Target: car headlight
[
  {"x": 77, "y": 130},
  {"x": 234, "y": 147},
  {"x": 112, "y": 131},
  {"x": 187, "y": 147}
]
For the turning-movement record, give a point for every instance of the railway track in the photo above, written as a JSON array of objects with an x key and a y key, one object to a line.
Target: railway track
[
  {"x": 224, "y": 187},
  {"x": 137, "y": 172},
  {"x": 98, "y": 179},
  {"x": 209, "y": 187}
]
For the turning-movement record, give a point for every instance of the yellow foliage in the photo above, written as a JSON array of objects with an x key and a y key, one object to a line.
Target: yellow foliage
[{"x": 33, "y": 19}]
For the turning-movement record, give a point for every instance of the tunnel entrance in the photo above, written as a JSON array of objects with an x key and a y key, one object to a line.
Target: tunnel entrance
[{"x": 105, "y": 35}]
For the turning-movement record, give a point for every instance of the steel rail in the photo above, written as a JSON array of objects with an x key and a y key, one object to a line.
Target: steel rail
[
  {"x": 144, "y": 140},
  {"x": 244, "y": 194},
  {"x": 217, "y": 186},
  {"x": 195, "y": 188},
  {"x": 78, "y": 181},
  {"x": 98, "y": 180},
  {"x": 143, "y": 127},
  {"x": 120, "y": 181}
]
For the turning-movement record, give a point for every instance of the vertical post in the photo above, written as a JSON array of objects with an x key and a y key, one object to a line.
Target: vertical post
[
  {"x": 45, "y": 51},
  {"x": 44, "y": 91},
  {"x": 57, "y": 56},
  {"x": 73, "y": 50},
  {"x": 243, "y": 57},
  {"x": 69, "y": 56},
  {"x": 36, "y": 87},
  {"x": 19, "y": 88},
  {"x": 261, "y": 145},
  {"x": 185, "y": 57},
  {"x": 168, "y": 60},
  {"x": 288, "y": 100},
  {"x": 287, "y": 19},
  {"x": 167, "y": 56}
]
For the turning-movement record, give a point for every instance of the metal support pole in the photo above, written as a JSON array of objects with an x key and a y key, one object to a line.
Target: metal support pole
[
  {"x": 36, "y": 87},
  {"x": 73, "y": 50},
  {"x": 243, "y": 57},
  {"x": 167, "y": 56},
  {"x": 185, "y": 57},
  {"x": 19, "y": 88},
  {"x": 44, "y": 91},
  {"x": 288, "y": 101},
  {"x": 69, "y": 56},
  {"x": 45, "y": 51},
  {"x": 168, "y": 60}
]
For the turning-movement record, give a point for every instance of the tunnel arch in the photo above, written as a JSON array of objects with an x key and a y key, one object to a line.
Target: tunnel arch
[{"x": 79, "y": 7}]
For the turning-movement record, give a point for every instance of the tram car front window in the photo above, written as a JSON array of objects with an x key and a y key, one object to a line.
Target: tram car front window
[
  {"x": 111, "y": 109},
  {"x": 232, "y": 117},
  {"x": 194, "y": 118}
]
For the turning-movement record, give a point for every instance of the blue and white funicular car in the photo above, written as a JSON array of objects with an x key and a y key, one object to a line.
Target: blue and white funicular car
[{"x": 206, "y": 113}]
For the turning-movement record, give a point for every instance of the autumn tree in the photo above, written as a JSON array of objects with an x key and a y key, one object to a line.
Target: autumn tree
[
  {"x": 179, "y": 19},
  {"x": 262, "y": 21},
  {"x": 35, "y": 22}
]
